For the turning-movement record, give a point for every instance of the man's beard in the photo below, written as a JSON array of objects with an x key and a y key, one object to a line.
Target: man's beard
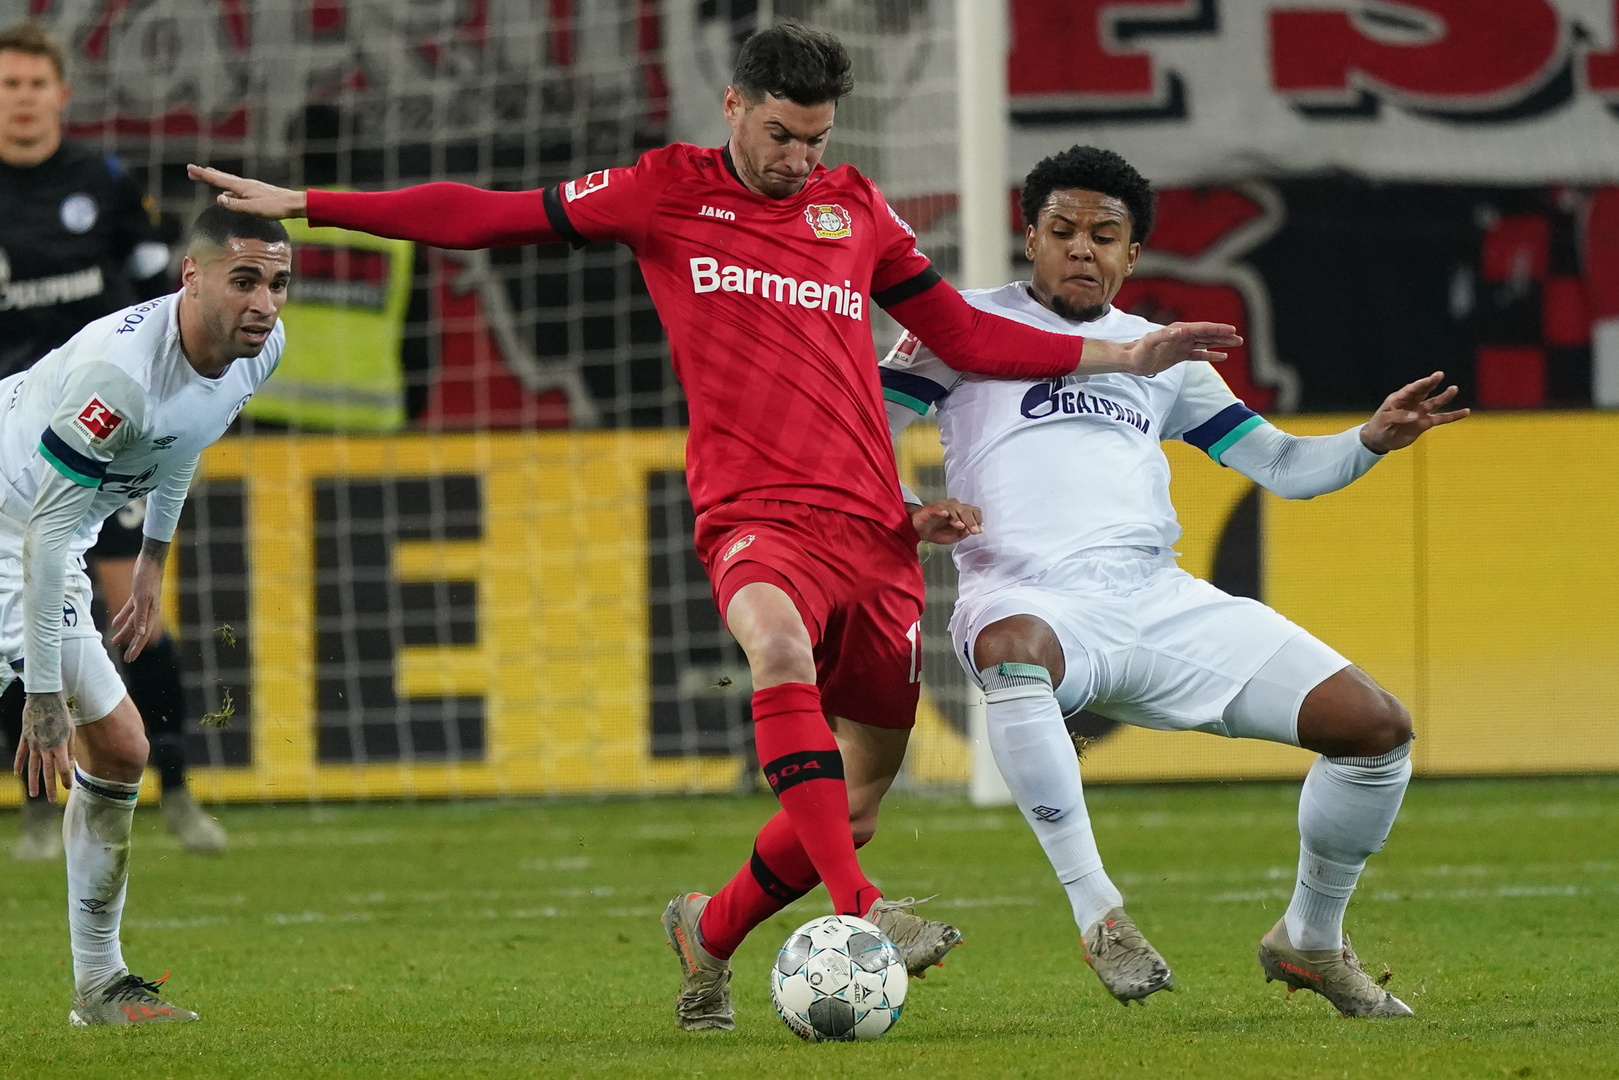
[{"x": 1076, "y": 314}]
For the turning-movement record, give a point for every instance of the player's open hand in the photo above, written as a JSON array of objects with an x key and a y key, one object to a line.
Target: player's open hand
[
  {"x": 141, "y": 620},
  {"x": 45, "y": 752},
  {"x": 1159, "y": 350},
  {"x": 252, "y": 196},
  {"x": 1408, "y": 412},
  {"x": 946, "y": 521}
]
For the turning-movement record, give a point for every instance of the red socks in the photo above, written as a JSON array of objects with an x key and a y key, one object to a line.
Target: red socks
[
  {"x": 778, "y": 873},
  {"x": 810, "y": 838}
]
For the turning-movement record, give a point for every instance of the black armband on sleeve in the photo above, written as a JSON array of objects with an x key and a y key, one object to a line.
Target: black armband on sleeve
[
  {"x": 915, "y": 286},
  {"x": 558, "y": 218}
]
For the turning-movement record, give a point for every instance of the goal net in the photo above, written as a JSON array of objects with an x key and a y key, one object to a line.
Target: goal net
[{"x": 448, "y": 551}]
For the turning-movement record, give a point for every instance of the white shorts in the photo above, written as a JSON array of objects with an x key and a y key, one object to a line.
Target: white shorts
[
  {"x": 1145, "y": 643},
  {"x": 90, "y": 680}
]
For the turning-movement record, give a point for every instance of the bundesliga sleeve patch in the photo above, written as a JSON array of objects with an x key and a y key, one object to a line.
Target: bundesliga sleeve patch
[
  {"x": 96, "y": 421},
  {"x": 578, "y": 189}
]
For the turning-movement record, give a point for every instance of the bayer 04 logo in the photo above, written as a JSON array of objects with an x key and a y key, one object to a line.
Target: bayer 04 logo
[{"x": 838, "y": 978}]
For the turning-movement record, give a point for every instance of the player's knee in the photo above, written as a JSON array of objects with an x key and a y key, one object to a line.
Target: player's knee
[
  {"x": 1390, "y": 725},
  {"x": 124, "y": 756},
  {"x": 1019, "y": 639},
  {"x": 781, "y": 656},
  {"x": 116, "y": 747},
  {"x": 1377, "y": 724}
]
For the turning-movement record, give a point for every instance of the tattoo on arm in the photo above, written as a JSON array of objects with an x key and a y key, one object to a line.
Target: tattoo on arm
[
  {"x": 155, "y": 550},
  {"x": 47, "y": 720}
]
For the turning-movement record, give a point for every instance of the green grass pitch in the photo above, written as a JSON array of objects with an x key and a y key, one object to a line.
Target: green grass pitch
[{"x": 522, "y": 939}]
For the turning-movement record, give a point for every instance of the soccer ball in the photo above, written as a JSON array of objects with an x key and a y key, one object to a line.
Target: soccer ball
[{"x": 838, "y": 978}]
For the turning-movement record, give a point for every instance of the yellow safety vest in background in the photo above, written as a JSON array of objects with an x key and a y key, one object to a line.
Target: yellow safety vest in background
[{"x": 345, "y": 321}]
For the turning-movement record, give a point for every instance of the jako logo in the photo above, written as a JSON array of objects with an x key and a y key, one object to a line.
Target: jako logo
[
  {"x": 1049, "y": 399},
  {"x": 714, "y": 212},
  {"x": 707, "y": 276}
]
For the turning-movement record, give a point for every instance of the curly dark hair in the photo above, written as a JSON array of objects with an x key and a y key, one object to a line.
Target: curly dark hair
[
  {"x": 791, "y": 61},
  {"x": 1090, "y": 169}
]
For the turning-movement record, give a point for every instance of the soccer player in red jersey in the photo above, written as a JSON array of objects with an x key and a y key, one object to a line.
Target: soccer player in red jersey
[{"x": 763, "y": 264}]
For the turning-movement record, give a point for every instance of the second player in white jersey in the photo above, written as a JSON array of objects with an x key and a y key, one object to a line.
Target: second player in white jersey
[{"x": 1070, "y": 597}]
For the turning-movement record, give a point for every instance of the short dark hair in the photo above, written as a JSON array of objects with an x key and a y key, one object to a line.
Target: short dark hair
[
  {"x": 791, "y": 61},
  {"x": 32, "y": 38},
  {"x": 1090, "y": 169},
  {"x": 218, "y": 226}
]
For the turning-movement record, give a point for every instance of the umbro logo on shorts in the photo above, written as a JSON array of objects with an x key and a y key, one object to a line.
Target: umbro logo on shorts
[{"x": 736, "y": 547}]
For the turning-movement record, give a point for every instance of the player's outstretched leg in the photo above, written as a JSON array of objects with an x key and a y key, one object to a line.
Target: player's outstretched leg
[
  {"x": 1346, "y": 809},
  {"x": 95, "y": 831},
  {"x": 1036, "y": 756},
  {"x": 797, "y": 751},
  {"x": 779, "y": 871}
]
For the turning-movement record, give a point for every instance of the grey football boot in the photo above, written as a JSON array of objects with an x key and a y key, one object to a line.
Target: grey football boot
[
  {"x": 1126, "y": 962},
  {"x": 126, "y": 999},
  {"x": 922, "y": 942},
  {"x": 1335, "y": 974},
  {"x": 197, "y": 831},
  {"x": 704, "y": 1001}
]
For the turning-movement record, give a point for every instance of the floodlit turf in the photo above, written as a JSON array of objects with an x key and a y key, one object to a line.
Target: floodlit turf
[{"x": 512, "y": 940}]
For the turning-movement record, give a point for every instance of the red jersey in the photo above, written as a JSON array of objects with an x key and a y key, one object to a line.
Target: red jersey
[{"x": 766, "y": 304}]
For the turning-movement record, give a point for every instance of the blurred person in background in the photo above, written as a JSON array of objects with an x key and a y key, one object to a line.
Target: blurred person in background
[{"x": 78, "y": 240}]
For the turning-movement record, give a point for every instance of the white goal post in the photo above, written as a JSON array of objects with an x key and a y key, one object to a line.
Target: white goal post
[{"x": 982, "y": 119}]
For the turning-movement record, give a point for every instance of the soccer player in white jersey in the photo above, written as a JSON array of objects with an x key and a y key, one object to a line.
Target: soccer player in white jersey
[
  {"x": 1070, "y": 597},
  {"x": 121, "y": 411}
]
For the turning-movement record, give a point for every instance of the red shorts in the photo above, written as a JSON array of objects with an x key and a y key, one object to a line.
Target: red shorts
[{"x": 857, "y": 586}]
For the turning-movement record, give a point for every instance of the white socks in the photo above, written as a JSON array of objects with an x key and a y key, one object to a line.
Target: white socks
[
  {"x": 1036, "y": 756},
  {"x": 1345, "y": 812},
  {"x": 95, "y": 831}
]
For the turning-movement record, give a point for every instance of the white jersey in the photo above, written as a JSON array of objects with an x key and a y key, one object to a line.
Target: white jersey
[
  {"x": 118, "y": 408},
  {"x": 1063, "y": 465},
  {"x": 118, "y": 413}
]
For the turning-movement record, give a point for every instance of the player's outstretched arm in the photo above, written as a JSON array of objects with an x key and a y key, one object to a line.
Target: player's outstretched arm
[
  {"x": 982, "y": 343},
  {"x": 1304, "y": 466},
  {"x": 252, "y": 196},
  {"x": 442, "y": 214},
  {"x": 1160, "y": 350},
  {"x": 1408, "y": 412}
]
